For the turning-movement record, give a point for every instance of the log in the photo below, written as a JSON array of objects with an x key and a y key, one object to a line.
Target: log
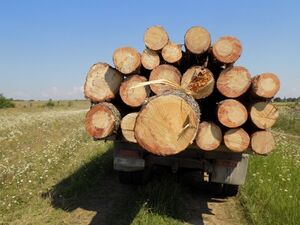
[
  {"x": 265, "y": 85},
  {"x": 166, "y": 72},
  {"x": 127, "y": 60},
  {"x": 227, "y": 50},
  {"x": 197, "y": 40},
  {"x": 262, "y": 142},
  {"x": 102, "y": 120},
  {"x": 231, "y": 113},
  {"x": 127, "y": 126},
  {"x": 156, "y": 38},
  {"x": 172, "y": 53},
  {"x": 236, "y": 140},
  {"x": 234, "y": 81},
  {"x": 150, "y": 59},
  {"x": 168, "y": 123},
  {"x": 263, "y": 114},
  {"x": 134, "y": 97},
  {"x": 199, "y": 81},
  {"x": 209, "y": 136},
  {"x": 102, "y": 83}
]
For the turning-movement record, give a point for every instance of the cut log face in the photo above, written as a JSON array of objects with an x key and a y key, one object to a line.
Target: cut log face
[
  {"x": 156, "y": 38},
  {"x": 232, "y": 113},
  {"x": 150, "y": 59},
  {"x": 127, "y": 60},
  {"x": 168, "y": 123},
  {"x": 209, "y": 136},
  {"x": 166, "y": 72},
  {"x": 102, "y": 83},
  {"x": 197, "y": 40},
  {"x": 265, "y": 85},
  {"x": 234, "y": 81},
  {"x": 237, "y": 140},
  {"x": 102, "y": 120},
  {"x": 134, "y": 96},
  {"x": 227, "y": 49},
  {"x": 127, "y": 126},
  {"x": 263, "y": 114},
  {"x": 262, "y": 142},
  {"x": 172, "y": 53},
  {"x": 199, "y": 81}
]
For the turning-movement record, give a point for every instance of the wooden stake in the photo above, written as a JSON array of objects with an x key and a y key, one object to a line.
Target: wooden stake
[
  {"x": 172, "y": 53},
  {"x": 262, "y": 142},
  {"x": 264, "y": 114},
  {"x": 232, "y": 113},
  {"x": 265, "y": 85},
  {"x": 127, "y": 60},
  {"x": 102, "y": 120},
  {"x": 167, "y": 72},
  {"x": 234, "y": 81},
  {"x": 209, "y": 136},
  {"x": 102, "y": 83},
  {"x": 197, "y": 40},
  {"x": 150, "y": 59},
  {"x": 168, "y": 123},
  {"x": 134, "y": 97},
  {"x": 199, "y": 81},
  {"x": 227, "y": 49},
  {"x": 237, "y": 140},
  {"x": 127, "y": 126},
  {"x": 156, "y": 38}
]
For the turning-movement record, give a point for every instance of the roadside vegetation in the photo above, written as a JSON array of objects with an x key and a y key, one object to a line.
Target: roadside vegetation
[{"x": 5, "y": 102}]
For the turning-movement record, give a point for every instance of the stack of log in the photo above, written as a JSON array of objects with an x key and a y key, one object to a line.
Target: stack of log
[{"x": 166, "y": 98}]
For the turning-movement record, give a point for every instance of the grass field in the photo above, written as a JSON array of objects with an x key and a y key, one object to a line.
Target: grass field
[{"x": 51, "y": 172}]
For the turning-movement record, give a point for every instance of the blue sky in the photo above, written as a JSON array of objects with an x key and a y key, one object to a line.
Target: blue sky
[{"x": 47, "y": 47}]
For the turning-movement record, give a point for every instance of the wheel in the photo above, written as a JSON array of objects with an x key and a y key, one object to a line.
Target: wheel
[
  {"x": 134, "y": 177},
  {"x": 230, "y": 189}
]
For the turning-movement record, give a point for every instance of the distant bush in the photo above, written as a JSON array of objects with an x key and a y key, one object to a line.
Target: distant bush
[
  {"x": 5, "y": 102},
  {"x": 70, "y": 104},
  {"x": 50, "y": 103}
]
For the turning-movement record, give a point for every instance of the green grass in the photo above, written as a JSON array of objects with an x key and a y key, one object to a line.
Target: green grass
[{"x": 272, "y": 190}]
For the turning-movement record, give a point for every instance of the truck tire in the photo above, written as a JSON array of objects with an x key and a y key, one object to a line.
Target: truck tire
[
  {"x": 230, "y": 189},
  {"x": 134, "y": 177}
]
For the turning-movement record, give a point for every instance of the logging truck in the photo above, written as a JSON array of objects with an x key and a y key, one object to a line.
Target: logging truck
[{"x": 189, "y": 109}]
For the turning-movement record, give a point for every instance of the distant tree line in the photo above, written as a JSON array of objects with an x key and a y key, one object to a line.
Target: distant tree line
[{"x": 278, "y": 99}]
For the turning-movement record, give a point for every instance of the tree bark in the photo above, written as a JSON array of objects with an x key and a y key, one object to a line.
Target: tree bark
[
  {"x": 263, "y": 115},
  {"x": 127, "y": 60},
  {"x": 166, "y": 72},
  {"x": 127, "y": 126},
  {"x": 234, "y": 81},
  {"x": 102, "y": 120},
  {"x": 102, "y": 83},
  {"x": 150, "y": 59},
  {"x": 231, "y": 113},
  {"x": 209, "y": 136},
  {"x": 168, "y": 123},
  {"x": 227, "y": 49},
  {"x": 265, "y": 85},
  {"x": 262, "y": 142},
  {"x": 199, "y": 81},
  {"x": 237, "y": 140},
  {"x": 172, "y": 53},
  {"x": 156, "y": 38},
  {"x": 197, "y": 40},
  {"x": 131, "y": 96}
]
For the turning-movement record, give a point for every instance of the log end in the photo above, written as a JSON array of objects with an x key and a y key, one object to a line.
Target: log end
[
  {"x": 234, "y": 81},
  {"x": 156, "y": 38},
  {"x": 197, "y": 40},
  {"x": 172, "y": 53},
  {"x": 127, "y": 60},
  {"x": 150, "y": 59},
  {"x": 227, "y": 49},
  {"x": 265, "y": 85},
  {"x": 237, "y": 140},
  {"x": 209, "y": 136},
  {"x": 127, "y": 127},
  {"x": 262, "y": 142},
  {"x": 264, "y": 114}
]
